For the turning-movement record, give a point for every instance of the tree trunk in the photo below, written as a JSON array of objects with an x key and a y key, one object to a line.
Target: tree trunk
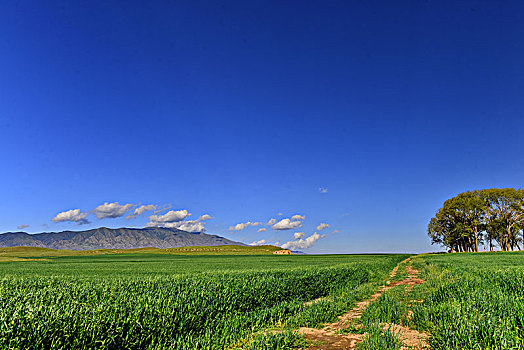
[
  {"x": 476, "y": 240},
  {"x": 502, "y": 244},
  {"x": 508, "y": 239}
]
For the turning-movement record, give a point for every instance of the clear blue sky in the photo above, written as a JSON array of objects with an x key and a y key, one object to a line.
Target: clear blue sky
[{"x": 244, "y": 109}]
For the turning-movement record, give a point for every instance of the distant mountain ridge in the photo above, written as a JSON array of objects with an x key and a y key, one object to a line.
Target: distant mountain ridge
[{"x": 113, "y": 238}]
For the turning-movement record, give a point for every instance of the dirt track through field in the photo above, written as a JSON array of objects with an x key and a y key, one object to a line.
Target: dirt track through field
[{"x": 327, "y": 338}]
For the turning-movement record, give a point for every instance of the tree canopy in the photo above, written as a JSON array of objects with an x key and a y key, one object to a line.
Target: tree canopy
[{"x": 494, "y": 217}]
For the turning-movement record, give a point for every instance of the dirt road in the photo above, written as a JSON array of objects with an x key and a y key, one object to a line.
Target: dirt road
[{"x": 328, "y": 338}]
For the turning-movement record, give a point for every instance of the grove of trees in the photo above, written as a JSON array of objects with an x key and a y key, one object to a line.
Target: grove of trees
[{"x": 491, "y": 217}]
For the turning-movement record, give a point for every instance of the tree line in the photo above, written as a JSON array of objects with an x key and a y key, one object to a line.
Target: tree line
[{"x": 492, "y": 217}]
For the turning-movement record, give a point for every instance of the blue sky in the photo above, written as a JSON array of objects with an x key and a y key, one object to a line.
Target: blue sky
[{"x": 244, "y": 110}]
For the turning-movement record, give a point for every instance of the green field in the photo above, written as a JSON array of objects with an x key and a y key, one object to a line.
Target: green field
[
  {"x": 149, "y": 264},
  {"x": 469, "y": 301},
  {"x": 159, "y": 301},
  {"x": 18, "y": 253},
  {"x": 473, "y": 301},
  {"x": 151, "y": 300}
]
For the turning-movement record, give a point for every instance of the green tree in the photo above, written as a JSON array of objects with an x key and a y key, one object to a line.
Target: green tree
[
  {"x": 505, "y": 215},
  {"x": 459, "y": 224},
  {"x": 464, "y": 221}
]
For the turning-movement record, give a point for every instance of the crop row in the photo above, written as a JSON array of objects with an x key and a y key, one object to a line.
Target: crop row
[
  {"x": 208, "y": 310},
  {"x": 474, "y": 303}
]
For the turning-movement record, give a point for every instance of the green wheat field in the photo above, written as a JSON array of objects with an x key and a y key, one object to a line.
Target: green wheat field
[{"x": 153, "y": 299}]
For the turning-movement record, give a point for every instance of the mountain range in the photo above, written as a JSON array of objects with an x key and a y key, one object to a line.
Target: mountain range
[{"x": 109, "y": 238}]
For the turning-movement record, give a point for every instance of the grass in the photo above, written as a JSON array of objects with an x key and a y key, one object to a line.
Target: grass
[
  {"x": 341, "y": 300},
  {"x": 379, "y": 338},
  {"x": 353, "y": 328},
  {"x": 469, "y": 301},
  {"x": 402, "y": 272},
  {"x": 149, "y": 300},
  {"x": 145, "y": 300},
  {"x": 153, "y": 264},
  {"x": 195, "y": 250},
  {"x": 472, "y": 301},
  {"x": 273, "y": 340},
  {"x": 386, "y": 309}
]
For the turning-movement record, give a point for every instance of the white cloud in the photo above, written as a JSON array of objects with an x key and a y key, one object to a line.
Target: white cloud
[
  {"x": 280, "y": 214},
  {"x": 22, "y": 226},
  {"x": 298, "y": 235},
  {"x": 205, "y": 217},
  {"x": 174, "y": 219},
  {"x": 302, "y": 243},
  {"x": 271, "y": 222},
  {"x": 141, "y": 210},
  {"x": 298, "y": 217},
  {"x": 335, "y": 231},
  {"x": 262, "y": 241},
  {"x": 73, "y": 215},
  {"x": 111, "y": 210},
  {"x": 322, "y": 226},
  {"x": 286, "y": 224},
  {"x": 162, "y": 208},
  {"x": 170, "y": 216},
  {"x": 189, "y": 226},
  {"x": 243, "y": 225},
  {"x": 322, "y": 190},
  {"x": 263, "y": 229}
]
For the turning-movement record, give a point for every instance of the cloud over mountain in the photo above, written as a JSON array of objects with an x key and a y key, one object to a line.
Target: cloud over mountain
[
  {"x": 174, "y": 219},
  {"x": 189, "y": 226},
  {"x": 111, "y": 210},
  {"x": 170, "y": 216},
  {"x": 141, "y": 210},
  {"x": 73, "y": 215},
  {"x": 243, "y": 225}
]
